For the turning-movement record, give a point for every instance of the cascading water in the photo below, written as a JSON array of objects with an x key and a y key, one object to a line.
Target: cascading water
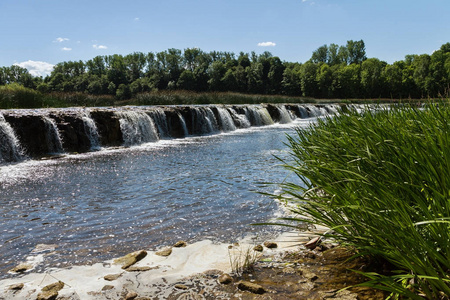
[
  {"x": 10, "y": 149},
  {"x": 258, "y": 115},
  {"x": 159, "y": 119},
  {"x": 225, "y": 119},
  {"x": 137, "y": 127},
  {"x": 314, "y": 111},
  {"x": 53, "y": 137},
  {"x": 240, "y": 119},
  {"x": 203, "y": 120},
  {"x": 91, "y": 131},
  {"x": 285, "y": 116}
]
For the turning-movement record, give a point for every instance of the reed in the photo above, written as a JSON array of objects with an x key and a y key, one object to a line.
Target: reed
[{"x": 380, "y": 180}]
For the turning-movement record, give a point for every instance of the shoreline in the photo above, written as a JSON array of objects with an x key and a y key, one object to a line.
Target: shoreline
[{"x": 153, "y": 276}]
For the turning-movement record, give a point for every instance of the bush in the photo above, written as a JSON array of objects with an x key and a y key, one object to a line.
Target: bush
[
  {"x": 16, "y": 96},
  {"x": 381, "y": 181}
]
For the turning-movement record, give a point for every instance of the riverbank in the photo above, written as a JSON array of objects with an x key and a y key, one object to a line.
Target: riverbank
[{"x": 195, "y": 271}]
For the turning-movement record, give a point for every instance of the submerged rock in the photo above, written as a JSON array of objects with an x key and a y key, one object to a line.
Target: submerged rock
[
  {"x": 131, "y": 296},
  {"x": 130, "y": 259},
  {"x": 251, "y": 287}
]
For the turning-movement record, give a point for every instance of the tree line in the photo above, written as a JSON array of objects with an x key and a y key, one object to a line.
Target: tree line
[{"x": 333, "y": 71}]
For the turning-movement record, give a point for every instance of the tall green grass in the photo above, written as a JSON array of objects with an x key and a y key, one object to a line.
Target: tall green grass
[{"x": 380, "y": 180}]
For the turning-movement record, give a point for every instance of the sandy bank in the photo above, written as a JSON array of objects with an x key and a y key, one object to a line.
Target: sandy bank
[{"x": 153, "y": 277}]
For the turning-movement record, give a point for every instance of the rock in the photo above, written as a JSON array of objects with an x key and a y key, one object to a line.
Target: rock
[
  {"x": 251, "y": 287},
  {"x": 310, "y": 255},
  {"x": 180, "y": 244},
  {"x": 312, "y": 244},
  {"x": 112, "y": 277},
  {"x": 164, "y": 252},
  {"x": 107, "y": 287},
  {"x": 130, "y": 259},
  {"x": 50, "y": 292},
  {"x": 213, "y": 273},
  {"x": 181, "y": 287},
  {"x": 16, "y": 287},
  {"x": 57, "y": 286},
  {"x": 271, "y": 245},
  {"x": 21, "y": 268},
  {"x": 131, "y": 296},
  {"x": 258, "y": 248},
  {"x": 225, "y": 279},
  {"x": 140, "y": 269}
]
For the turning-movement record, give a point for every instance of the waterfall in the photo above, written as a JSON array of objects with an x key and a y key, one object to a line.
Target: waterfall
[
  {"x": 332, "y": 109},
  {"x": 258, "y": 115},
  {"x": 10, "y": 149},
  {"x": 203, "y": 120},
  {"x": 303, "y": 112},
  {"x": 159, "y": 119},
  {"x": 285, "y": 116},
  {"x": 240, "y": 119},
  {"x": 53, "y": 137},
  {"x": 314, "y": 111},
  {"x": 225, "y": 119},
  {"x": 137, "y": 128},
  {"x": 91, "y": 131}
]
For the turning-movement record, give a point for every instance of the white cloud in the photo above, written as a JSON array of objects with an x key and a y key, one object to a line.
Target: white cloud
[
  {"x": 36, "y": 68},
  {"x": 99, "y": 47},
  {"x": 66, "y": 49},
  {"x": 136, "y": 19},
  {"x": 60, "y": 40},
  {"x": 267, "y": 44}
]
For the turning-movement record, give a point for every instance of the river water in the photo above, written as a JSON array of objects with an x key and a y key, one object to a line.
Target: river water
[{"x": 95, "y": 206}]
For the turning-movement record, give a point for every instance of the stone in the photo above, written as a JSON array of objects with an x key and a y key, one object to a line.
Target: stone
[
  {"x": 130, "y": 259},
  {"x": 312, "y": 244},
  {"x": 271, "y": 245},
  {"x": 225, "y": 279},
  {"x": 107, "y": 287},
  {"x": 258, "y": 248},
  {"x": 180, "y": 244},
  {"x": 181, "y": 287},
  {"x": 251, "y": 287},
  {"x": 164, "y": 252},
  {"x": 50, "y": 292},
  {"x": 112, "y": 277},
  {"x": 131, "y": 295},
  {"x": 16, "y": 287},
  {"x": 21, "y": 268}
]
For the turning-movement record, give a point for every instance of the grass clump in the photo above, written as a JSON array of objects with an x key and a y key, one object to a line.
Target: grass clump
[{"x": 380, "y": 180}]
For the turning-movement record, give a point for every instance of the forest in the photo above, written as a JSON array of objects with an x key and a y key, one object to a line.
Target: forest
[{"x": 332, "y": 72}]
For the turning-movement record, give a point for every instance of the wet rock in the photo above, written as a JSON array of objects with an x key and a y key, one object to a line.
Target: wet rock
[
  {"x": 16, "y": 287},
  {"x": 213, "y": 273},
  {"x": 107, "y": 287},
  {"x": 270, "y": 245},
  {"x": 112, "y": 277},
  {"x": 50, "y": 292},
  {"x": 131, "y": 296},
  {"x": 130, "y": 259},
  {"x": 258, "y": 248},
  {"x": 191, "y": 296},
  {"x": 225, "y": 279},
  {"x": 181, "y": 287},
  {"x": 180, "y": 244},
  {"x": 251, "y": 287},
  {"x": 312, "y": 244},
  {"x": 164, "y": 252},
  {"x": 21, "y": 268},
  {"x": 310, "y": 255}
]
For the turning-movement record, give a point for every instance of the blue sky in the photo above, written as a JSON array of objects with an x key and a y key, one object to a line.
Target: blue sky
[{"x": 40, "y": 33}]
